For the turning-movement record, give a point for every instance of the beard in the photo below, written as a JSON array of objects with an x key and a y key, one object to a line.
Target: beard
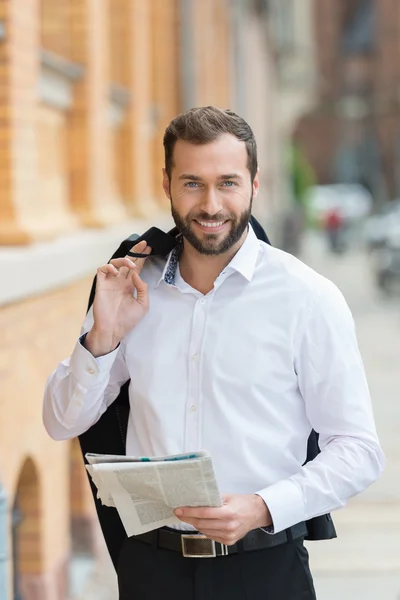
[{"x": 209, "y": 245}]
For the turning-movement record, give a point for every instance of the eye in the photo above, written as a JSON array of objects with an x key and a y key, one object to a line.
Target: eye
[
  {"x": 229, "y": 183},
  {"x": 191, "y": 184}
]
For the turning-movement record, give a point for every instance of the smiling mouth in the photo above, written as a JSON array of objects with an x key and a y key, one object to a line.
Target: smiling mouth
[{"x": 210, "y": 224}]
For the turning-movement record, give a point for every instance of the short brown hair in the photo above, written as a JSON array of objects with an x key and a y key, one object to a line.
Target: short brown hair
[{"x": 204, "y": 125}]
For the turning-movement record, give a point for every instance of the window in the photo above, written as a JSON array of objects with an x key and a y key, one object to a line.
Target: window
[
  {"x": 360, "y": 32},
  {"x": 283, "y": 25}
]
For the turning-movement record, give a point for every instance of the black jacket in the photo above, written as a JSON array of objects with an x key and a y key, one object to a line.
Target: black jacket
[{"x": 108, "y": 435}]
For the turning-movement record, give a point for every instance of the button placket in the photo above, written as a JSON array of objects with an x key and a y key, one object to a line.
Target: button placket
[{"x": 193, "y": 408}]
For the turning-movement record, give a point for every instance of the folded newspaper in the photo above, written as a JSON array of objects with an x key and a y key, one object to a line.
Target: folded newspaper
[{"x": 146, "y": 490}]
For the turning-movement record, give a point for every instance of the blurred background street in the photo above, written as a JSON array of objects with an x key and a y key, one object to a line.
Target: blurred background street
[
  {"x": 364, "y": 561},
  {"x": 87, "y": 88}
]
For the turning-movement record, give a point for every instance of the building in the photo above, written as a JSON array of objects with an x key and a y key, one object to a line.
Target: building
[
  {"x": 291, "y": 35},
  {"x": 353, "y": 133},
  {"x": 86, "y": 90}
]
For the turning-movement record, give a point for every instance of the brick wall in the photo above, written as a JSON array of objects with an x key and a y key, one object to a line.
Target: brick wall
[
  {"x": 212, "y": 52},
  {"x": 59, "y": 170},
  {"x": 64, "y": 169},
  {"x": 19, "y": 69},
  {"x": 165, "y": 82},
  {"x": 37, "y": 334}
]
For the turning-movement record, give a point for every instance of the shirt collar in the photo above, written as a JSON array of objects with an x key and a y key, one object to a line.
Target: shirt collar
[
  {"x": 169, "y": 272},
  {"x": 244, "y": 261}
]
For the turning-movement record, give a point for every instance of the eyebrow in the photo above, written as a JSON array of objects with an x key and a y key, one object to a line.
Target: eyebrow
[
  {"x": 197, "y": 178},
  {"x": 231, "y": 176},
  {"x": 188, "y": 176}
]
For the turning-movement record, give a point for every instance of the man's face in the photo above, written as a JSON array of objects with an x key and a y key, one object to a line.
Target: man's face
[{"x": 211, "y": 193}]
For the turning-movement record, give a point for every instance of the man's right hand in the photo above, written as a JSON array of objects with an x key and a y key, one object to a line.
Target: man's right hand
[{"x": 117, "y": 309}]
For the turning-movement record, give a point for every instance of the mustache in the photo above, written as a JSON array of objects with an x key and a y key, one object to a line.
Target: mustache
[{"x": 203, "y": 216}]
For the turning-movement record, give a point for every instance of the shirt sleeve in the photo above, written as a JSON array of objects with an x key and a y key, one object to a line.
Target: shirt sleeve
[
  {"x": 81, "y": 388},
  {"x": 333, "y": 384}
]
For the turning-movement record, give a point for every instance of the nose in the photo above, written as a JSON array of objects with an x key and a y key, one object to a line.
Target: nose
[{"x": 211, "y": 203}]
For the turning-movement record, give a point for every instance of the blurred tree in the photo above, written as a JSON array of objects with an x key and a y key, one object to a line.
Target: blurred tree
[
  {"x": 301, "y": 173},
  {"x": 301, "y": 178}
]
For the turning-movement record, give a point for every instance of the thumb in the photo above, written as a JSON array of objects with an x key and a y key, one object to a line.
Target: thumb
[{"x": 226, "y": 498}]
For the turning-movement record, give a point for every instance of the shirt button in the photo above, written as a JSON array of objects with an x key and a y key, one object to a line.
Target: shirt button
[
  {"x": 195, "y": 356},
  {"x": 193, "y": 408},
  {"x": 202, "y": 301},
  {"x": 90, "y": 370}
]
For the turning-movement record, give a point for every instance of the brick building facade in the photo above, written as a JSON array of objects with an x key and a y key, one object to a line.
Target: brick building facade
[
  {"x": 86, "y": 90},
  {"x": 353, "y": 134}
]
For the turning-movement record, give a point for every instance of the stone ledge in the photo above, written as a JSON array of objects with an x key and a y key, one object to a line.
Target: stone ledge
[
  {"x": 56, "y": 81},
  {"x": 33, "y": 270},
  {"x": 120, "y": 95},
  {"x": 62, "y": 66},
  {"x": 119, "y": 100}
]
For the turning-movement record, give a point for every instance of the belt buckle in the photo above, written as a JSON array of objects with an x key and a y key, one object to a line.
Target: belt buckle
[{"x": 197, "y": 546}]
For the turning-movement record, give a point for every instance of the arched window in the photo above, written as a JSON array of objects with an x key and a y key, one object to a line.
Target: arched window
[
  {"x": 16, "y": 522},
  {"x": 83, "y": 522},
  {"x": 4, "y": 556}
]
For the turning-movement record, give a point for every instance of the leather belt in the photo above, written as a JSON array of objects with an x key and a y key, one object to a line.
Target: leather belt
[{"x": 196, "y": 545}]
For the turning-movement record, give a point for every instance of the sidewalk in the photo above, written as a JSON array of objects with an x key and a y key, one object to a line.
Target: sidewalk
[
  {"x": 101, "y": 584},
  {"x": 364, "y": 562}
]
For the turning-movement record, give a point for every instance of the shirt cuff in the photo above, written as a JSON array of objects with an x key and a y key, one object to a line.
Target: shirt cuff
[
  {"x": 86, "y": 369},
  {"x": 285, "y": 503}
]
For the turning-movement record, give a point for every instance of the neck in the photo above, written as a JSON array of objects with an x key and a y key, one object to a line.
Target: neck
[{"x": 201, "y": 270}]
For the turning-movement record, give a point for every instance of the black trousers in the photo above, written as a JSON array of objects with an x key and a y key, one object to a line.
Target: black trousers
[{"x": 279, "y": 573}]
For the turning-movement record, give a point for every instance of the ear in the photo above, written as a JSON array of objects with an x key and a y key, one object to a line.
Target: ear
[
  {"x": 256, "y": 184},
  {"x": 166, "y": 184}
]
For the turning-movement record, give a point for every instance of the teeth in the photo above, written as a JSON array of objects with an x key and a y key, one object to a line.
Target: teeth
[{"x": 208, "y": 224}]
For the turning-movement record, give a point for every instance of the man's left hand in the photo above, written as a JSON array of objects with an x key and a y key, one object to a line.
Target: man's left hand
[{"x": 230, "y": 522}]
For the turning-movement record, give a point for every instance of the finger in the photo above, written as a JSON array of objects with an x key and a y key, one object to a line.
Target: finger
[
  {"x": 123, "y": 262},
  {"x": 142, "y": 290},
  {"x": 138, "y": 248},
  {"x": 199, "y": 512},
  {"x": 206, "y": 524},
  {"x": 141, "y": 248},
  {"x": 140, "y": 261},
  {"x": 107, "y": 270},
  {"x": 124, "y": 265},
  {"x": 226, "y": 498}
]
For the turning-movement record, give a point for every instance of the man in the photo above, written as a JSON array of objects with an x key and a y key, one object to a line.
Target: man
[
  {"x": 334, "y": 226},
  {"x": 232, "y": 346}
]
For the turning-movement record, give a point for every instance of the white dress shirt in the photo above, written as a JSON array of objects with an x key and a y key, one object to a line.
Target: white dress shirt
[{"x": 245, "y": 372}]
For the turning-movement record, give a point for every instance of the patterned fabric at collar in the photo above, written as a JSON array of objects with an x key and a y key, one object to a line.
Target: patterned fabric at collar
[{"x": 170, "y": 271}]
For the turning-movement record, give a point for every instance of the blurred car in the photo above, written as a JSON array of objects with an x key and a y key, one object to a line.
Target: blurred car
[
  {"x": 352, "y": 200},
  {"x": 382, "y": 225}
]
